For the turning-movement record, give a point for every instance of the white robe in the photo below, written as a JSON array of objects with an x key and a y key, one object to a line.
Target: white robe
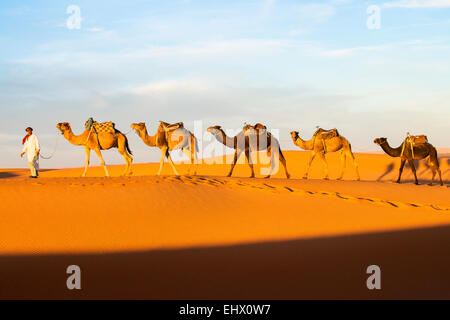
[{"x": 31, "y": 147}]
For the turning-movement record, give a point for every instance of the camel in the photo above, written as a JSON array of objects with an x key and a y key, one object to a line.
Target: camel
[
  {"x": 97, "y": 142},
  {"x": 419, "y": 152},
  {"x": 320, "y": 146},
  {"x": 167, "y": 138},
  {"x": 243, "y": 142}
]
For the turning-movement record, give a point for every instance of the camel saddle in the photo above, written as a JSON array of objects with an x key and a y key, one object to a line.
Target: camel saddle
[
  {"x": 326, "y": 134},
  {"x": 415, "y": 140},
  {"x": 104, "y": 127},
  {"x": 167, "y": 127},
  {"x": 259, "y": 128}
]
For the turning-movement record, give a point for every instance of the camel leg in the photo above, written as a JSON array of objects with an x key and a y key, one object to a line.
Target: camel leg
[
  {"x": 434, "y": 171},
  {"x": 343, "y": 164},
  {"x": 350, "y": 153},
  {"x": 270, "y": 156},
  {"x": 311, "y": 158},
  {"x": 99, "y": 155},
  {"x": 435, "y": 168},
  {"x": 249, "y": 160},
  {"x": 161, "y": 162},
  {"x": 283, "y": 162},
  {"x": 126, "y": 156},
  {"x": 402, "y": 165},
  {"x": 324, "y": 160},
  {"x": 171, "y": 163},
  {"x": 237, "y": 154},
  {"x": 194, "y": 154},
  {"x": 86, "y": 164},
  {"x": 440, "y": 176},
  {"x": 434, "y": 164},
  {"x": 129, "y": 162},
  {"x": 413, "y": 168}
]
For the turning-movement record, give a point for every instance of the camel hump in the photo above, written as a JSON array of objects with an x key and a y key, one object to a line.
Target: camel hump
[
  {"x": 326, "y": 134},
  {"x": 167, "y": 127},
  {"x": 416, "y": 140},
  {"x": 257, "y": 128}
]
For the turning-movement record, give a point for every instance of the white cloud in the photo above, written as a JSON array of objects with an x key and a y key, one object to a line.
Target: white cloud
[
  {"x": 417, "y": 4},
  {"x": 344, "y": 52},
  {"x": 95, "y": 29},
  {"x": 163, "y": 87},
  {"x": 211, "y": 49}
]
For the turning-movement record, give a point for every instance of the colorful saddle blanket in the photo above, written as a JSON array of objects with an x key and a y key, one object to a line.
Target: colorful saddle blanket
[{"x": 104, "y": 127}]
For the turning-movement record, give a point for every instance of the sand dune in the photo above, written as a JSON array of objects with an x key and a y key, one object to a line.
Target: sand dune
[{"x": 157, "y": 236}]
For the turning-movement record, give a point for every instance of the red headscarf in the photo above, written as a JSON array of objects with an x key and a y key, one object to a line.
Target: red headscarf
[{"x": 25, "y": 138}]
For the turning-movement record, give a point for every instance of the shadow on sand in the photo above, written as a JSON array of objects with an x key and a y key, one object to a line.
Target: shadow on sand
[
  {"x": 7, "y": 175},
  {"x": 387, "y": 171},
  {"x": 422, "y": 167},
  {"x": 414, "y": 264}
]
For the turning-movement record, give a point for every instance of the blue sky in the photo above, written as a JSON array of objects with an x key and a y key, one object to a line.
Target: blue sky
[{"x": 288, "y": 64}]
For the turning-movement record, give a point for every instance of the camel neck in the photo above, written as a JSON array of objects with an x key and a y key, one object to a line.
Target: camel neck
[
  {"x": 148, "y": 140},
  {"x": 393, "y": 152},
  {"x": 305, "y": 145},
  {"x": 224, "y": 139},
  {"x": 74, "y": 139}
]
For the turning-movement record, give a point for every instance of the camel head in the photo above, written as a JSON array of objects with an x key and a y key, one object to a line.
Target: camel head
[
  {"x": 138, "y": 127},
  {"x": 214, "y": 130},
  {"x": 294, "y": 135},
  {"x": 63, "y": 127},
  {"x": 380, "y": 141}
]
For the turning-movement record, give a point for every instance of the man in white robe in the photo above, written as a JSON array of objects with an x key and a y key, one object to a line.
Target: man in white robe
[{"x": 31, "y": 148}]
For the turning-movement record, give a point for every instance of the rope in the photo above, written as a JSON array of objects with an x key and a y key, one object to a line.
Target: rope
[
  {"x": 54, "y": 150},
  {"x": 408, "y": 140},
  {"x": 92, "y": 127}
]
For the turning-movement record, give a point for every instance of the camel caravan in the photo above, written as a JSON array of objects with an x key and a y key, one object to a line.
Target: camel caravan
[{"x": 256, "y": 138}]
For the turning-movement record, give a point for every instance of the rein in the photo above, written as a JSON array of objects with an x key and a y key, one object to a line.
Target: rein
[{"x": 54, "y": 150}]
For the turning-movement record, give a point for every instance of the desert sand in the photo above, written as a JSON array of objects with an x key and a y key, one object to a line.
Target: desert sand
[{"x": 212, "y": 237}]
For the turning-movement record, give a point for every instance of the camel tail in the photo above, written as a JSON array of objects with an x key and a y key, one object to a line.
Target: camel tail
[
  {"x": 196, "y": 145},
  {"x": 127, "y": 146}
]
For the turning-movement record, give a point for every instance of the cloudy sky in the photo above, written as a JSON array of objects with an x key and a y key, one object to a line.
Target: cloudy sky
[{"x": 288, "y": 64}]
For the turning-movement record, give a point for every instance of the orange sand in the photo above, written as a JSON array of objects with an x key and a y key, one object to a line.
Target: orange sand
[{"x": 214, "y": 237}]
